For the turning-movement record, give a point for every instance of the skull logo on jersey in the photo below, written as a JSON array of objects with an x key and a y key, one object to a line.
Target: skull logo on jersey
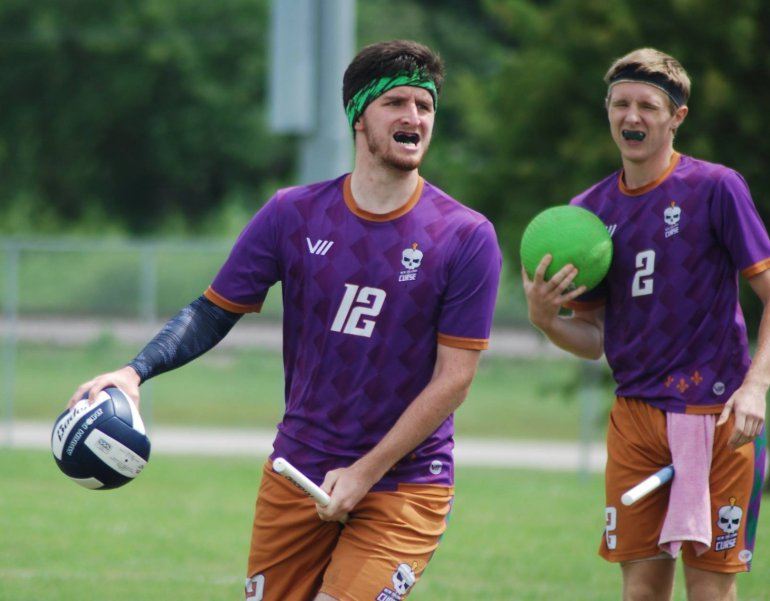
[
  {"x": 671, "y": 217},
  {"x": 411, "y": 258},
  {"x": 672, "y": 214},
  {"x": 403, "y": 578}
]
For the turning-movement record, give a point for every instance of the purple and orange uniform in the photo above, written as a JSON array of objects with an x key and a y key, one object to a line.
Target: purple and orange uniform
[
  {"x": 675, "y": 336},
  {"x": 366, "y": 300}
]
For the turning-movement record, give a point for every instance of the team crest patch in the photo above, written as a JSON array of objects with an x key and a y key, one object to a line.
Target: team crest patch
[
  {"x": 671, "y": 217},
  {"x": 402, "y": 581},
  {"x": 729, "y": 522},
  {"x": 411, "y": 259}
]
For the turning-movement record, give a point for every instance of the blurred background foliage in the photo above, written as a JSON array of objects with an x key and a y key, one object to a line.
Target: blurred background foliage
[
  {"x": 148, "y": 117},
  {"x": 137, "y": 116}
]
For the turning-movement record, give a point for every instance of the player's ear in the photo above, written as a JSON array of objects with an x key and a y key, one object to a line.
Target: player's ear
[{"x": 679, "y": 116}]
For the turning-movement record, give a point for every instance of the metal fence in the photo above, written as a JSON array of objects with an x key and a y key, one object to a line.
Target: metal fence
[{"x": 61, "y": 281}]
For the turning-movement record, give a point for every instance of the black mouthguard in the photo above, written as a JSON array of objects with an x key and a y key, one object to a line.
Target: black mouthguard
[{"x": 633, "y": 135}]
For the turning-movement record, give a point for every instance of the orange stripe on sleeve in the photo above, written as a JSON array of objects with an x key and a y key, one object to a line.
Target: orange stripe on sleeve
[
  {"x": 225, "y": 304},
  {"x": 471, "y": 344},
  {"x": 755, "y": 269}
]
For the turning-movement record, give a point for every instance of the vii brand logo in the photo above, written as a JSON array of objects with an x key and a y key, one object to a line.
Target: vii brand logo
[{"x": 319, "y": 247}]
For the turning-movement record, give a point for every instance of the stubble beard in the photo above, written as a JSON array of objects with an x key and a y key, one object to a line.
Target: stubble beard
[{"x": 381, "y": 151}]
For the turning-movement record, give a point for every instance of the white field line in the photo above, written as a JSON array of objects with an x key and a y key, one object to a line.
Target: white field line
[{"x": 534, "y": 454}]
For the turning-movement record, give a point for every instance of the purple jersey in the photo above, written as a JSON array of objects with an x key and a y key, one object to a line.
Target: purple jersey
[
  {"x": 674, "y": 331},
  {"x": 366, "y": 300}
]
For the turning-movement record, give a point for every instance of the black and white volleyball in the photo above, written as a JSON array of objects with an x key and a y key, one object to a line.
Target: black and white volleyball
[{"x": 103, "y": 445}]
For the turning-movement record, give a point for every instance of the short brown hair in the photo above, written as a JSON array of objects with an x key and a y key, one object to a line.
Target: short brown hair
[
  {"x": 390, "y": 58},
  {"x": 655, "y": 63}
]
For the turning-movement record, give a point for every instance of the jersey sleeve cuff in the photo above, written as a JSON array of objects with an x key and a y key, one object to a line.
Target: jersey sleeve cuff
[
  {"x": 222, "y": 302},
  {"x": 756, "y": 269},
  {"x": 471, "y": 344}
]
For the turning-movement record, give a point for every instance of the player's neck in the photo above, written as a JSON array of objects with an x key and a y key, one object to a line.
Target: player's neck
[
  {"x": 637, "y": 174},
  {"x": 382, "y": 190}
]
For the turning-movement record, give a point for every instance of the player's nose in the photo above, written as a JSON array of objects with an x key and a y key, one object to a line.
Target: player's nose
[
  {"x": 632, "y": 115},
  {"x": 410, "y": 116}
]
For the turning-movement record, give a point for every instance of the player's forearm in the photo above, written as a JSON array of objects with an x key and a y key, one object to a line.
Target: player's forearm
[
  {"x": 194, "y": 330},
  {"x": 438, "y": 400},
  {"x": 426, "y": 413},
  {"x": 577, "y": 336},
  {"x": 758, "y": 375}
]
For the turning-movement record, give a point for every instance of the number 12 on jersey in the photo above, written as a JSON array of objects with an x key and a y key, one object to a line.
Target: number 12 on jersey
[{"x": 358, "y": 302}]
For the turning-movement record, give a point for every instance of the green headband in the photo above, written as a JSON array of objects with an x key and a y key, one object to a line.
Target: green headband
[{"x": 377, "y": 87}]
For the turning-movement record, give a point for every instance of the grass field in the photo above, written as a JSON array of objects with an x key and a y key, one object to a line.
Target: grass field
[
  {"x": 509, "y": 398},
  {"x": 181, "y": 532}
]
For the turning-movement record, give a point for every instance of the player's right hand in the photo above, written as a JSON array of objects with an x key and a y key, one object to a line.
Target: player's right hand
[
  {"x": 345, "y": 488},
  {"x": 546, "y": 297},
  {"x": 126, "y": 379}
]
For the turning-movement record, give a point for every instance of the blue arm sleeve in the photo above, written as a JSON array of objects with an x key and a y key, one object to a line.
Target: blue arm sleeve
[{"x": 194, "y": 330}]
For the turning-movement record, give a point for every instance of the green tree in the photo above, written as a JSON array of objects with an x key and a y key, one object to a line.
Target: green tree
[
  {"x": 134, "y": 112},
  {"x": 543, "y": 124}
]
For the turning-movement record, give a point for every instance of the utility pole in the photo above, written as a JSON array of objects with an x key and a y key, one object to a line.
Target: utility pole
[{"x": 312, "y": 42}]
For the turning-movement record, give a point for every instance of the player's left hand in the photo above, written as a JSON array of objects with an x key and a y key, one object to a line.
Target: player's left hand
[
  {"x": 546, "y": 297},
  {"x": 748, "y": 404},
  {"x": 346, "y": 487}
]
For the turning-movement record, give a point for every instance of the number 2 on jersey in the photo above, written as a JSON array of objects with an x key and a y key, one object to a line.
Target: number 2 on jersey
[
  {"x": 349, "y": 318},
  {"x": 645, "y": 267}
]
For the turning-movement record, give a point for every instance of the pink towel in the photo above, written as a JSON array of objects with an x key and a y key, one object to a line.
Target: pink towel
[{"x": 691, "y": 440}]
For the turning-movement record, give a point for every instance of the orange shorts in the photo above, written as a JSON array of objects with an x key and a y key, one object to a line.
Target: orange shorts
[
  {"x": 637, "y": 446},
  {"x": 377, "y": 556}
]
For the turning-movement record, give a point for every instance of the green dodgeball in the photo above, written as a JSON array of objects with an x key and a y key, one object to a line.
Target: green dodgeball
[{"x": 571, "y": 235}]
